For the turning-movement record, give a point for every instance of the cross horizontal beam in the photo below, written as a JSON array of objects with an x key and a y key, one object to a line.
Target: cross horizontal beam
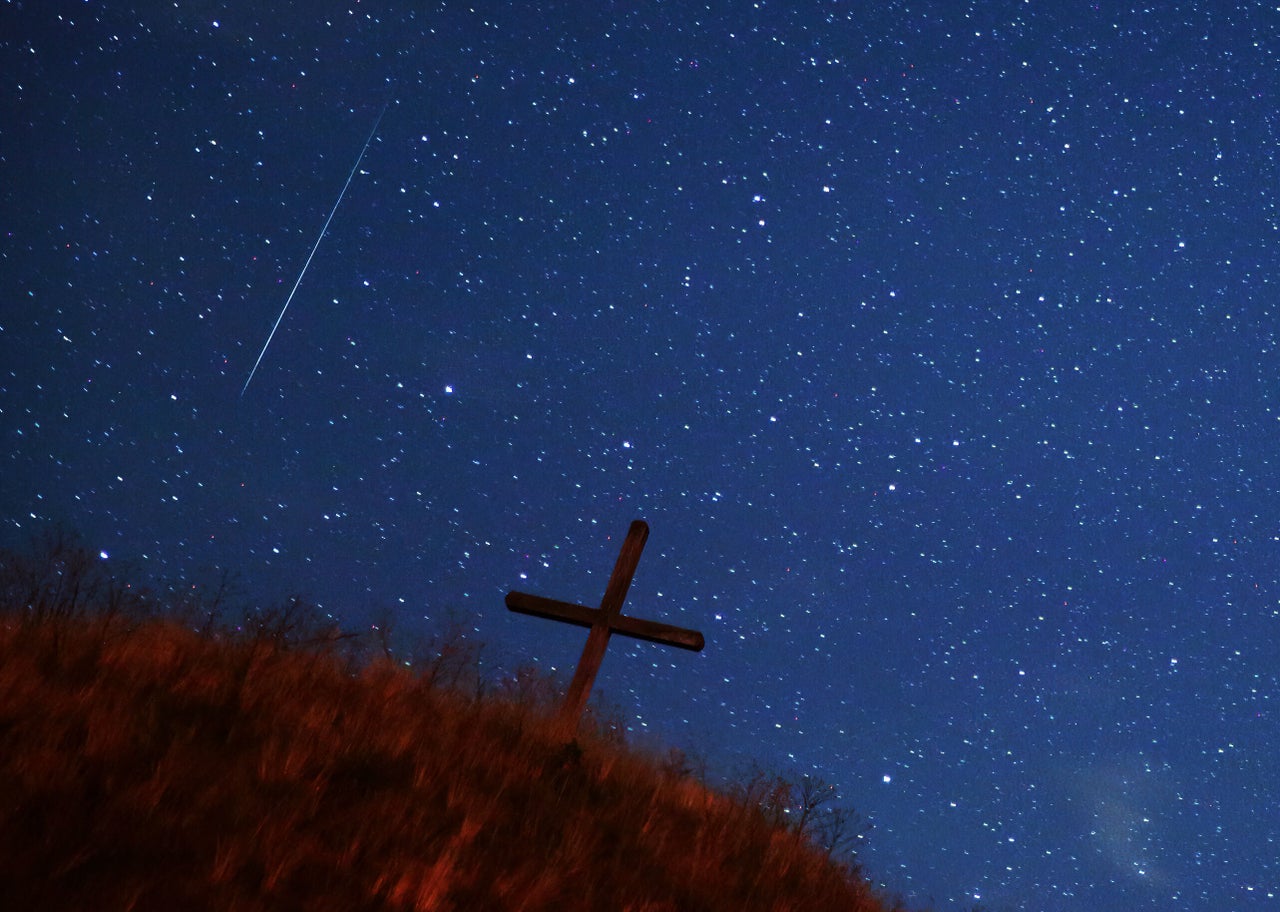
[{"x": 582, "y": 616}]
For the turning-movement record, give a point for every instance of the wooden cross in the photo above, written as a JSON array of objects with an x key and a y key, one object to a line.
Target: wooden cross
[{"x": 604, "y": 621}]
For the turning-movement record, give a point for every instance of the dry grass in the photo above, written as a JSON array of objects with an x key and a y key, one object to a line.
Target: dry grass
[{"x": 149, "y": 767}]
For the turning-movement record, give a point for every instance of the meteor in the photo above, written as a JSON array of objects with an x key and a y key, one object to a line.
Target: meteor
[{"x": 316, "y": 246}]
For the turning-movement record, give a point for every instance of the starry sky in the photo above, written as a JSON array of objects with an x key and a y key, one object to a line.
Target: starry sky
[{"x": 935, "y": 341}]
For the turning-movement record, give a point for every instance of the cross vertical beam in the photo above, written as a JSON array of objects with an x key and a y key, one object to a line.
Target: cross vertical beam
[{"x": 603, "y": 623}]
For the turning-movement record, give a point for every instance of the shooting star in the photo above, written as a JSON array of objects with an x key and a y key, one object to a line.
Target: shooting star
[{"x": 316, "y": 246}]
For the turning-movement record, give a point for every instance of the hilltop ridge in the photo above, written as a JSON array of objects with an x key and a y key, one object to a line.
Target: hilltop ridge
[{"x": 152, "y": 766}]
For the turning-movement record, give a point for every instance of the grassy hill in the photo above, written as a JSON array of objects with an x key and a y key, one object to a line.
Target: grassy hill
[{"x": 149, "y": 764}]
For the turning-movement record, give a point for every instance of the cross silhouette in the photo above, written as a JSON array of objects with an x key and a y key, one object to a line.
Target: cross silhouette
[{"x": 603, "y": 622}]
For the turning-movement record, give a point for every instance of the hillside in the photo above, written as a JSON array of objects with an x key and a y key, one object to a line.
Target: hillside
[{"x": 148, "y": 765}]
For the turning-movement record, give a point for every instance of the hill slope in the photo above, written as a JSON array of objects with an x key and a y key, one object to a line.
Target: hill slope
[{"x": 148, "y": 767}]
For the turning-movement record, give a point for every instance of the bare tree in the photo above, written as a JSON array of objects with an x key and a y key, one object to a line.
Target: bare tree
[{"x": 450, "y": 659}]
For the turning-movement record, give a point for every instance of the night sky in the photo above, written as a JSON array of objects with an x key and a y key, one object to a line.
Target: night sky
[{"x": 936, "y": 342}]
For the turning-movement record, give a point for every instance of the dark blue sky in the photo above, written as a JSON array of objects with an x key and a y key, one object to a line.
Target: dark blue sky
[{"x": 937, "y": 344}]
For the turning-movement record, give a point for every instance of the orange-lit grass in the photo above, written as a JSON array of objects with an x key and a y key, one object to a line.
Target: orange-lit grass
[{"x": 146, "y": 767}]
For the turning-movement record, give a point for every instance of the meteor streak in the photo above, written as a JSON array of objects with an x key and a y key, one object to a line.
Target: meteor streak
[{"x": 316, "y": 246}]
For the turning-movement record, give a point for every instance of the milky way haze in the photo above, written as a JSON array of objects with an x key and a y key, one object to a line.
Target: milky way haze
[{"x": 936, "y": 343}]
